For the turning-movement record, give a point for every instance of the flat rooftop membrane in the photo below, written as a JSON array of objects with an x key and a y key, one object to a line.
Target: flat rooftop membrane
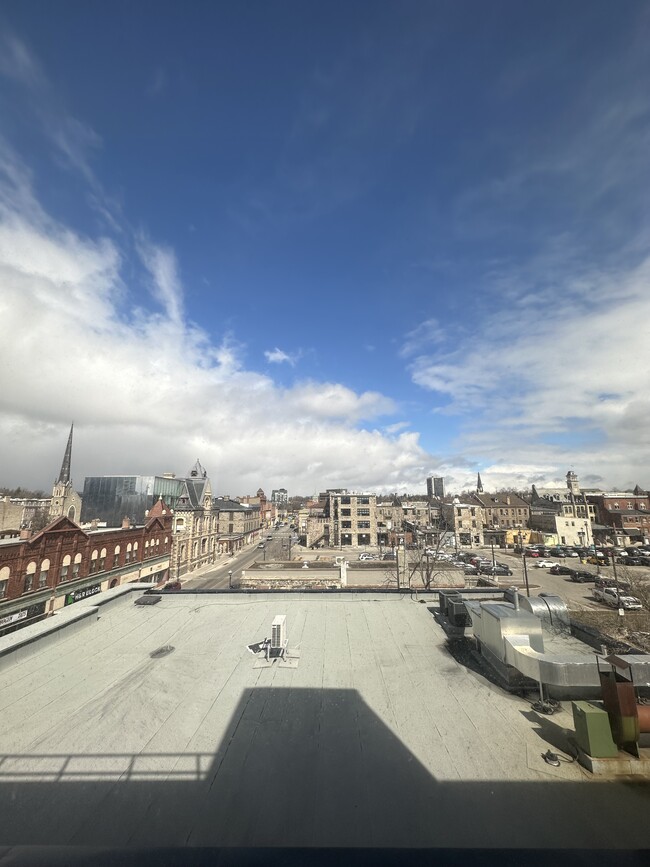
[{"x": 370, "y": 735}]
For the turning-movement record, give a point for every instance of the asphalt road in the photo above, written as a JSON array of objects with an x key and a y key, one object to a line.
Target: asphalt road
[{"x": 217, "y": 577}]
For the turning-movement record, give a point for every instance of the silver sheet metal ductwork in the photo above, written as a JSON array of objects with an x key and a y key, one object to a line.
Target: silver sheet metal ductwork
[{"x": 535, "y": 640}]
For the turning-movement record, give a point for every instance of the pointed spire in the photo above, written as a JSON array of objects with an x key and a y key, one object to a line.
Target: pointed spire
[
  {"x": 64, "y": 475},
  {"x": 479, "y": 484}
]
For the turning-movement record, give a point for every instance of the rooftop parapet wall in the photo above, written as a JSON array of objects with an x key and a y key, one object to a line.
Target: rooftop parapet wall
[{"x": 329, "y": 574}]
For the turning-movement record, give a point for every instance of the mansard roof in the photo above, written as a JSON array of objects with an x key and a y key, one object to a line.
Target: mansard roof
[{"x": 197, "y": 471}]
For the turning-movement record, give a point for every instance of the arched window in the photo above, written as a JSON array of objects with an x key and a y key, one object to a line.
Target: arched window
[
  {"x": 128, "y": 555},
  {"x": 102, "y": 560},
  {"x": 4, "y": 581},
  {"x": 72, "y": 512},
  {"x": 116, "y": 556},
  {"x": 65, "y": 567},
  {"x": 166, "y": 540},
  {"x": 42, "y": 578},
  {"x": 94, "y": 561},
  {"x": 29, "y": 576},
  {"x": 76, "y": 566},
  {"x": 179, "y": 525},
  {"x": 157, "y": 542},
  {"x": 135, "y": 546}
]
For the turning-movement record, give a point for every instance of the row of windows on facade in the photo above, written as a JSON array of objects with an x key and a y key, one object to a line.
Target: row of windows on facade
[
  {"x": 362, "y": 512},
  {"x": 202, "y": 524},
  {"x": 362, "y": 525},
  {"x": 364, "y": 501},
  {"x": 362, "y": 538},
  {"x": 70, "y": 569},
  {"x": 459, "y": 511},
  {"x": 195, "y": 548}
]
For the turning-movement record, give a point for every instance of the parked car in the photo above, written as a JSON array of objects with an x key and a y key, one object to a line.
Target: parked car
[
  {"x": 571, "y": 553},
  {"x": 556, "y": 569},
  {"x": 468, "y": 569},
  {"x": 366, "y": 556},
  {"x": 581, "y": 576},
  {"x": 531, "y": 552},
  {"x": 390, "y": 556},
  {"x": 610, "y": 582},
  {"x": 609, "y": 596},
  {"x": 544, "y": 564},
  {"x": 489, "y": 569},
  {"x": 261, "y": 545},
  {"x": 631, "y": 561}
]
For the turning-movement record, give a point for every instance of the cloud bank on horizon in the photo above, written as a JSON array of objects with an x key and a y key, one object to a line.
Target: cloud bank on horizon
[{"x": 99, "y": 327}]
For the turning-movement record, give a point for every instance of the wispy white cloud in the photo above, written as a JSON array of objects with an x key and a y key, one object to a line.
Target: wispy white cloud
[
  {"x": 563, "y": 381},
  {"x": 279, "y": 356},
  {"x": 75, "y": 142},
  {"x": 161, "y": 264},
  {"x": 18, "y": 63},
  {"x": 421, "y": 337},
  {"x": 150, "y": 391}
]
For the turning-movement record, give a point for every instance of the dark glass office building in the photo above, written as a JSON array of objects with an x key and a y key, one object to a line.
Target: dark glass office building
[{"x": 112, "y": 498}]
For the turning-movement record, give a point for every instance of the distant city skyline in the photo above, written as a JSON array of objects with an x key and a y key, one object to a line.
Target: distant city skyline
[{"x": 326, "y": 246}]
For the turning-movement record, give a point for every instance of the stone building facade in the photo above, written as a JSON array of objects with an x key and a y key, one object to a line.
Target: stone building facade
[
  {"x": 465, "y": 521},
  {"x": 503, "y": 511},
  {"x": 563, "y": 515},
  {"x": 351, "y": 519},
  {"x": 239, "y": 524},
  {"x": 196, "y": 524}
]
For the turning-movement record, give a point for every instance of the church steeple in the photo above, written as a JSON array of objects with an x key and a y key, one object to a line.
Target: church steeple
[
  {"x": 479, "y": 484},
  {"x": 65, "y": 500},
  {"x": 64, "y": 475}
]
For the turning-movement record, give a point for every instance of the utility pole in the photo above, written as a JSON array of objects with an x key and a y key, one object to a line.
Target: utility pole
[
  {"x": 523, "y": 556},
  {"x": 621, "y": 610}
]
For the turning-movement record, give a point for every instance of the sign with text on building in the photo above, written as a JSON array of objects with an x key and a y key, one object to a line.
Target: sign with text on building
[
  {"x": 84, "y": 593},
  {"x": 26, "y": 614},
  {"x": 13, "y": 618}
]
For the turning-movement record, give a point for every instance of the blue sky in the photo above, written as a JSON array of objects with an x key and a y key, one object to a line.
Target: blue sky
[{"x": 326, "y": 244}]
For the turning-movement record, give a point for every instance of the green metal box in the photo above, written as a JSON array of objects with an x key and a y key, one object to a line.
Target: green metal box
[{"x": 593, "y": 731}]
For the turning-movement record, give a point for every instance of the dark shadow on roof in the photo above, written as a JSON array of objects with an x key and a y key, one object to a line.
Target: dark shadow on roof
[{"x": 302, "y": 768}]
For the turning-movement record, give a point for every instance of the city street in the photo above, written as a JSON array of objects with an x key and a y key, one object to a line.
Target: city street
[{"x": 217, "y": 577}]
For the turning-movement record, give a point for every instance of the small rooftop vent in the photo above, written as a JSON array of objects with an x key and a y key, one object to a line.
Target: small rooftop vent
[
  {"x": 165, "y": 650},
  {"x": 148, "y": 600}
]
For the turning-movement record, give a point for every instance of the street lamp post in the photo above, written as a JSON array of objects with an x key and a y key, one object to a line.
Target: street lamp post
[
  {"x": 230, "y": 579},
  {"x": 523, "y": 561}
]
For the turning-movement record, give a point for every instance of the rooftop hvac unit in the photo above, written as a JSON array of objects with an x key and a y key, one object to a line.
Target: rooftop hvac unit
[{"x": 278, "y": 636}]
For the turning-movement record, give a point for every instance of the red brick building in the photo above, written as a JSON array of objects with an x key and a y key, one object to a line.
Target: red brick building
[
  {"x": 627, "y": 514},
  {"x": 64, "y": 564}
]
